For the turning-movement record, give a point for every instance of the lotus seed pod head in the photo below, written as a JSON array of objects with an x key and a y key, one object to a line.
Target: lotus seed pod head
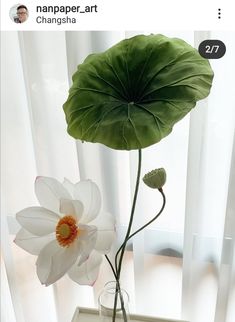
[{"x": 155, "y": 179}]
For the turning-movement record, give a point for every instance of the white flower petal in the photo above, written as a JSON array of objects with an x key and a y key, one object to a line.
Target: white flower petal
[
  {"x": 54, "y": 261},
  {"x": 38, "y": 220},
  {"x": 31, "y": 243},
  {"x": 87, "y": 239},
  {"x": 105, "y": 224},
  {"x": 89, "y": 194},
  {"x": 69, "y": 186},
  {"x": 71, "y": 207},
  {"x": 49, "y": 191},
  {"x": 87, "y": 273}
]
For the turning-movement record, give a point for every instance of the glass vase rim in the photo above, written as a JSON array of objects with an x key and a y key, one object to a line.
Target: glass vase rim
[{"x": 113, "y": 283}]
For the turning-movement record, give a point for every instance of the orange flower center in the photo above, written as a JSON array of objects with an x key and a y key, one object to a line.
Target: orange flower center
[{"x": 66, "y": 231}]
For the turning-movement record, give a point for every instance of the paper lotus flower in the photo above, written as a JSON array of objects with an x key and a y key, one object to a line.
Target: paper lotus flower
[
  {"x": 68, "y": 232},
  {"x": 130, "y": 96}
]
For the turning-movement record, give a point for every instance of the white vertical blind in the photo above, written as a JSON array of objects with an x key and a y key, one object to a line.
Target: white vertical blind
[
  {"x": 210, "y": 150},
  {"x": 16, "y": 138},
  {"x": 7, "y": 314},
  {"x": 226, "y": 270},
  {"x": 46, "y": 83},
  {"x": 9, "y": 289},
  {"x": 170, "y": 153},
  {"x": 197, "y": 157}
]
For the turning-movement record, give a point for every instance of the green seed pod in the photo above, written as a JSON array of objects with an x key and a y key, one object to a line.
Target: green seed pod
[{"x": 155, "y": 179}]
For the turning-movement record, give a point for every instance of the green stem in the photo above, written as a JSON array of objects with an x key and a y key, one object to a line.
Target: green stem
[
  {"x": 117, "y": 270},
  {"x": 118, "y": 266},
  {"x": 118, "y": 291},
  {"x": 136, "y": 232},
  {"x": 111, "y": 265},
  {"x": 148, "y": 223}
]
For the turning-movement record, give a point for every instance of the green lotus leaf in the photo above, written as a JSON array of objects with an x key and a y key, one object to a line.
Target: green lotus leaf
[{"x": 130, "y": 96}]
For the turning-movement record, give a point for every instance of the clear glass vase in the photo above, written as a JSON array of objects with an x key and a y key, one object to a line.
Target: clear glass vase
[{"x": 110, "y": 295}]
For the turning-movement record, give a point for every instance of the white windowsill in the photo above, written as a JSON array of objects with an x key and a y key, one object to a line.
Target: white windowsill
[{"x": 90, "y": 315}]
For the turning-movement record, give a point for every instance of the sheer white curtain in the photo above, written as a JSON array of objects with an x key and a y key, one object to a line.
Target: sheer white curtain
[
  {"x": 185, "y": 259},
  {"x": 208, "y": 271}
]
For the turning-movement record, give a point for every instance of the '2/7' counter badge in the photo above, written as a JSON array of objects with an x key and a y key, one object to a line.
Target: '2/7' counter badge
[{"x": 212, "y": 49}]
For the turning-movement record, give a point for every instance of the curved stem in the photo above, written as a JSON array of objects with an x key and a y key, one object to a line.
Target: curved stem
[
  {"x": 119, "y": 266},
  {"x": 124, "y": 244},
  {"x": 111, "y": 265},
  {"x": 152, "y": 220},
  {"x": 118, "y": 292}
]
